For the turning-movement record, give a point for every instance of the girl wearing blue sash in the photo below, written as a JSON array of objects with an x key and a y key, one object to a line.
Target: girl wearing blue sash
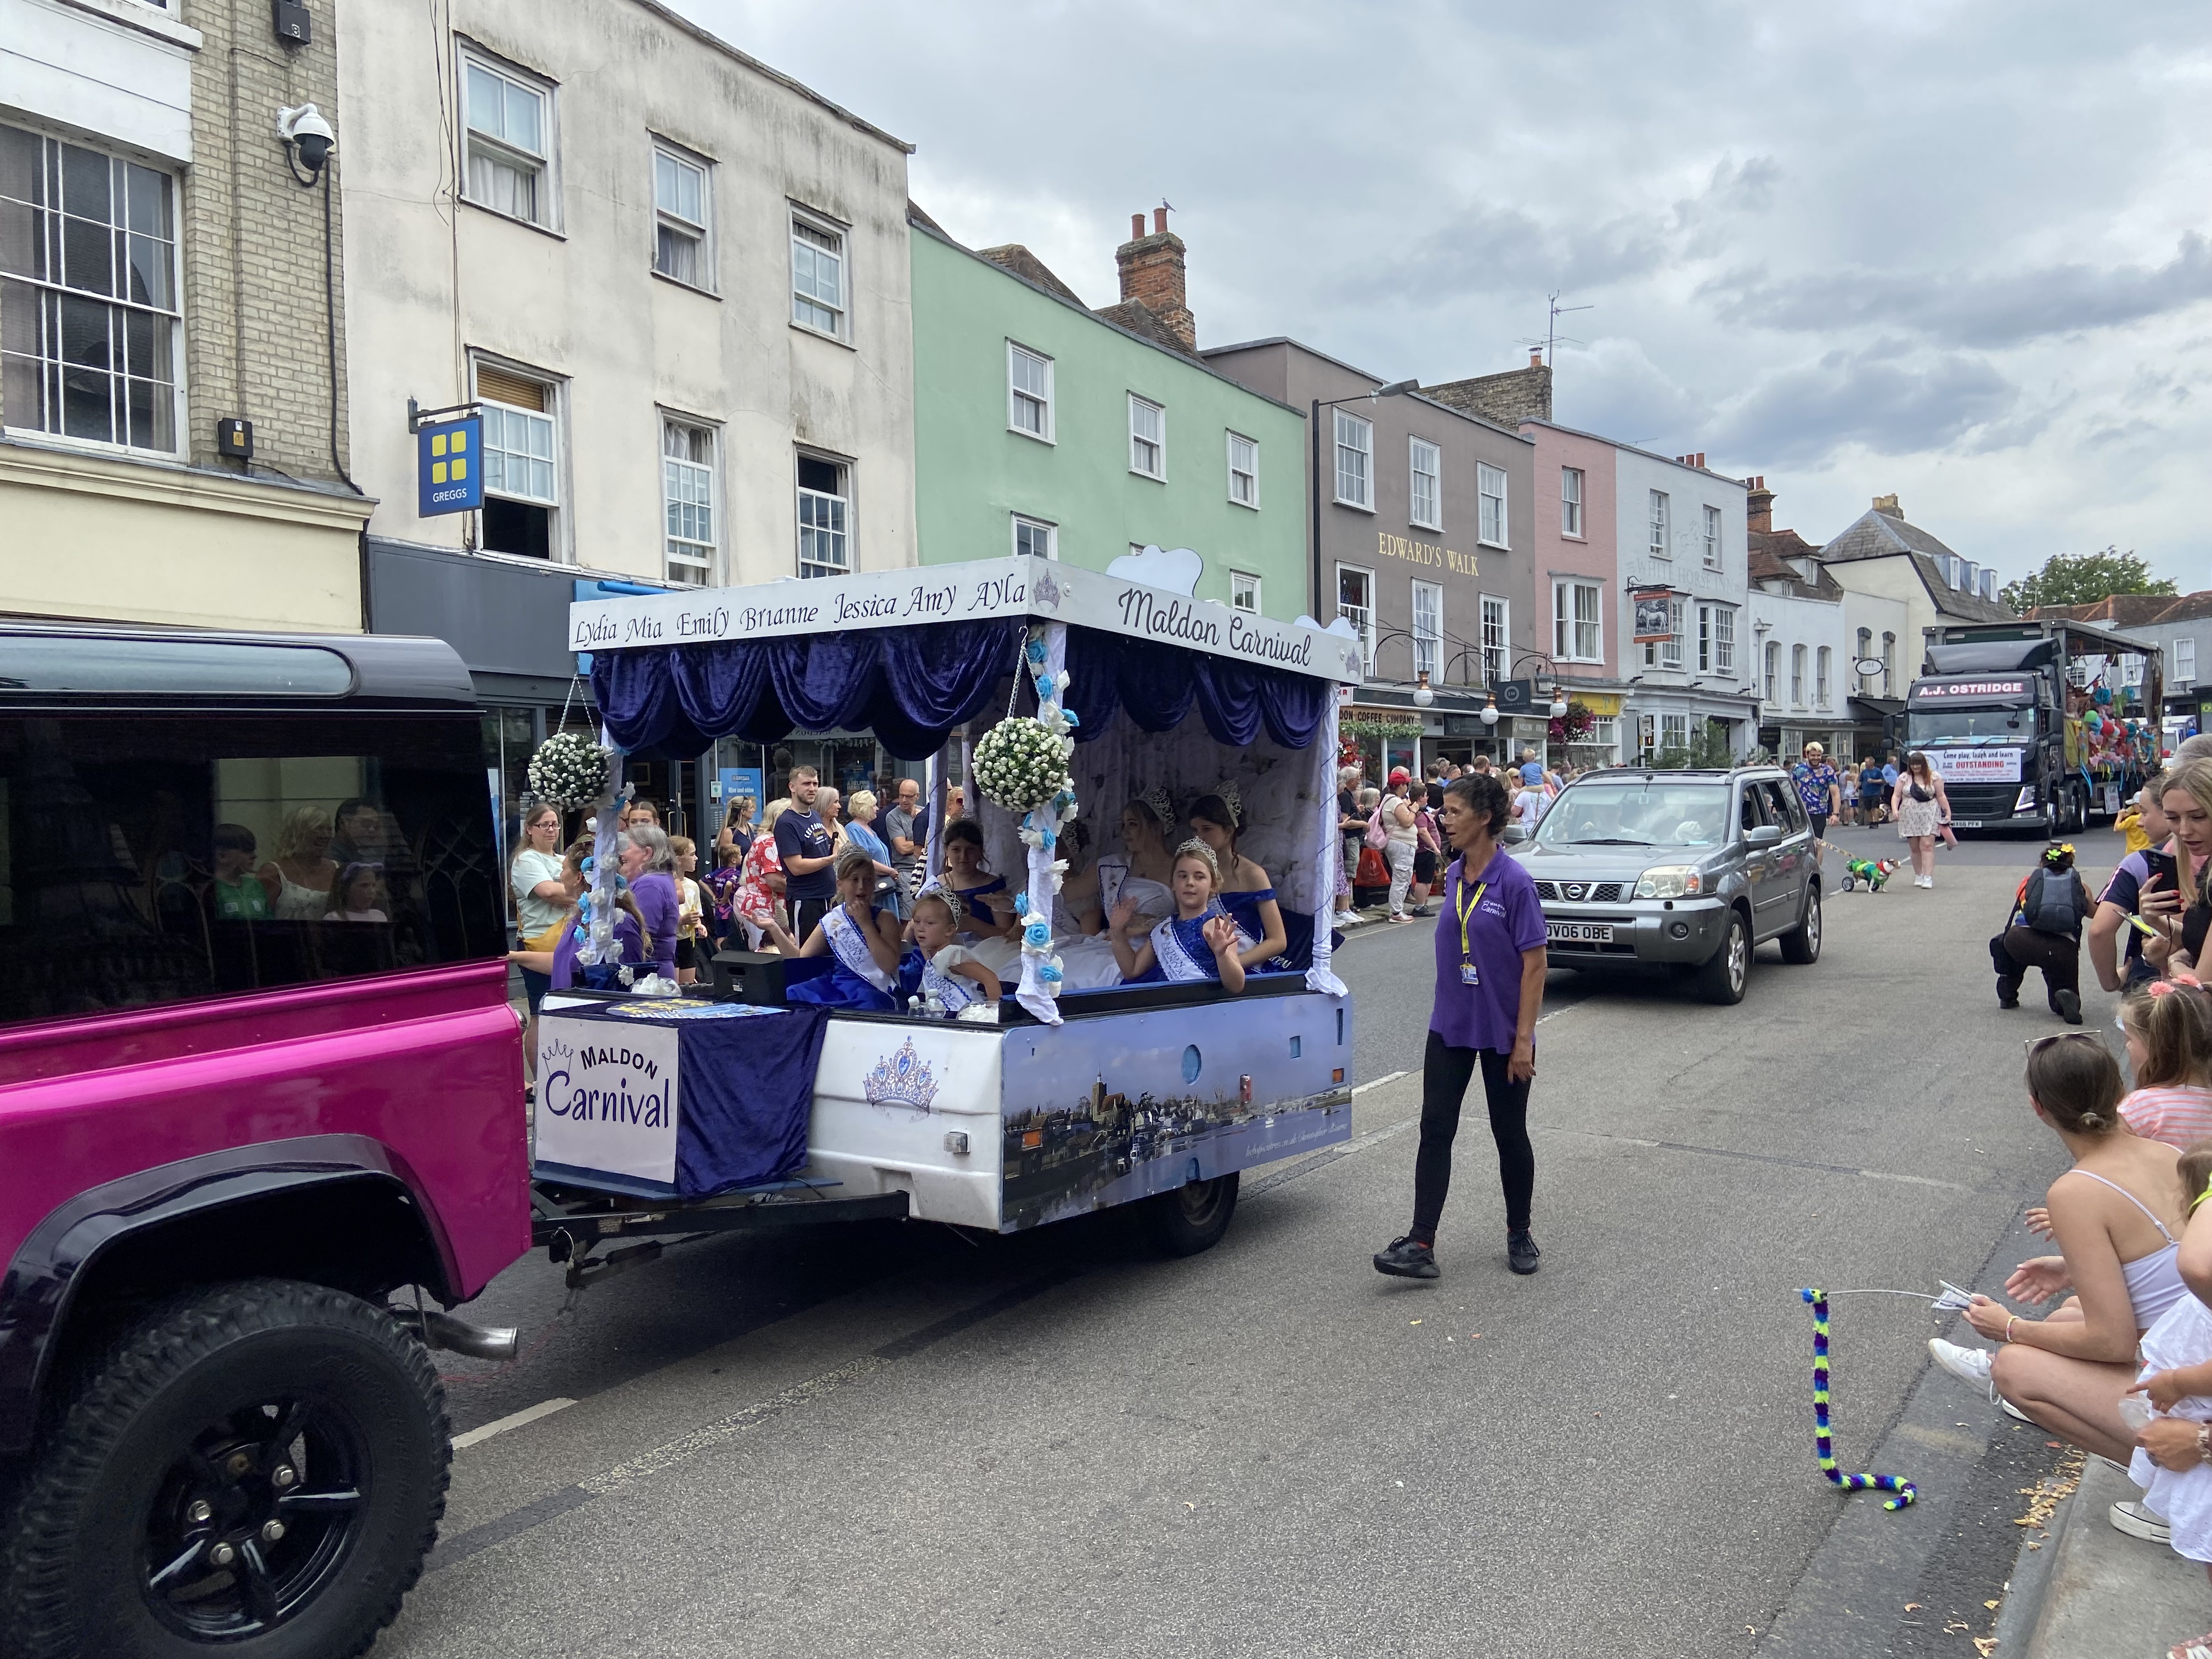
[
  {"x": 1247, "y": 894},
  {"x": 864, "y": 941},
  {"x": 1200, "y": 941},
  {"x": 948, "y": 969}
]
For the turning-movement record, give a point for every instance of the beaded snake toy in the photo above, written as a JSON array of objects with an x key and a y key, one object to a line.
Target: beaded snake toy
[{"x": 1826, "y": 1446}]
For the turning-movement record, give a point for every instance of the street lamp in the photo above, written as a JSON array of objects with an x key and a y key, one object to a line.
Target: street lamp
[
  {"x": 1394, "y": 389},
  {"x": 1423, "y": 697}
]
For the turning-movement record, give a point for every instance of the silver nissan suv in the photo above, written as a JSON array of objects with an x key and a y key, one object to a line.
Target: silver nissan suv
[{"x": 1690, "y": 871}]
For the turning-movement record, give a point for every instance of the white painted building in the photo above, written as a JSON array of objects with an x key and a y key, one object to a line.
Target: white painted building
[
  {"x": 1801, "y": 649},
  {"x": 1681, "y": 541},
  {"x": 675, "y": 283}
]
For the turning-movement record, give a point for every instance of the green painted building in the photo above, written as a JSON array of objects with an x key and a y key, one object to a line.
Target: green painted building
[{"x": 1043, "y": 427}]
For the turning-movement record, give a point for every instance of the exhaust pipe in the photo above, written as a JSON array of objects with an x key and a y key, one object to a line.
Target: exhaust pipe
[{"x": 477, "y": 1342}]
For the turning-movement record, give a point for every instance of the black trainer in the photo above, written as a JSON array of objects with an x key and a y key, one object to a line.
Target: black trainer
[
  {"x": 1407, "y": 1258},
  {"x": 1520, "y": 1251},
  {"x": 2008, "y": 999},
  {"x": 2069, "y": 1006}
]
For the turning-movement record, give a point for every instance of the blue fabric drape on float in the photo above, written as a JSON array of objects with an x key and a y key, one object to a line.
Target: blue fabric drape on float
[
  {"x": 1158, "y": 683},
  {"x": 747, "y": 1099},
  {"x": 911, "y": 686}
]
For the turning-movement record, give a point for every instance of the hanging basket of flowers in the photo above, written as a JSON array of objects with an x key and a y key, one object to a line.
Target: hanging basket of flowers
[
  {"x": 570, "y": 771},
  {"x": 1021, "y": 763}
]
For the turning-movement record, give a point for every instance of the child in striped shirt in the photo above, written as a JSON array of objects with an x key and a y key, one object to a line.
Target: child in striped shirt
[{"x": 2168, "y": 1029}]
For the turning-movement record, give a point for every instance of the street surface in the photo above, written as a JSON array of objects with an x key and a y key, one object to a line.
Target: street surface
[{"x": 899, "y": 1439}]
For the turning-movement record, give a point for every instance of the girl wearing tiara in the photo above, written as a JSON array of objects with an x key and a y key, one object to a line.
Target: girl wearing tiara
[
  {"x": 864, "y": 939},
  {"x": 949, "y": 969},
  {"x": 1198, "y": 942},
  {"x": 1247, "y": 894}
]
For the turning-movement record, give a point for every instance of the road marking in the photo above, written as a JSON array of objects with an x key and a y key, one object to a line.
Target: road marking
[
  {"x": 1328, "y": 1156},
  {"x": 1377, "y": 1083},
  {"x": 527, "y": 1414},
  {"x": 737, "y": 1422},
  {"x": 451, "y": 1552},
  {"x": 1771, "y": 1158}
]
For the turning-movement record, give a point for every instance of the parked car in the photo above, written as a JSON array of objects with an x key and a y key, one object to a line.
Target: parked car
[
  {"x": 258, "y": 1073},
  {"x": 1688, "y": 871}
]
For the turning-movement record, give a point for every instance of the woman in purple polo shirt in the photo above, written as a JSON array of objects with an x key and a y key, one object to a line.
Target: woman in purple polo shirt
[{"x": 1490, "y": 986}]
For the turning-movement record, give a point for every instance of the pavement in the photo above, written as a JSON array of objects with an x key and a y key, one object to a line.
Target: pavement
[{"x": 899, "y": 1439}]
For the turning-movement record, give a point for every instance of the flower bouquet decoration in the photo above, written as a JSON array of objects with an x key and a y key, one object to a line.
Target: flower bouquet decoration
[
  {"x": 1022, "y": 764},
  {"x": 570, "y": 771}
]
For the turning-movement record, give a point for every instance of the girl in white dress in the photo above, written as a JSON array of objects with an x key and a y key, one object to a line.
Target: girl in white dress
[{"x": 949, "y": 969}]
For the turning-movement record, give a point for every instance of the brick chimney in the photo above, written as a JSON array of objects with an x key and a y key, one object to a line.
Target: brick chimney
[
  {"x": 1152, "y": 276},
  {"x": 1758, "y": 506},
  {"x": 1888, "y": 504}
]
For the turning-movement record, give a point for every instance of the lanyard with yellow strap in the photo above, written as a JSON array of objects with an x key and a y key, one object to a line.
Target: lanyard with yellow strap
[{"x": 1465, "y": 908}]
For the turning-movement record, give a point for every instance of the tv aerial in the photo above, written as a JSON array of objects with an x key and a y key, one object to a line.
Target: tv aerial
[{"x": 1552, "y": 336}]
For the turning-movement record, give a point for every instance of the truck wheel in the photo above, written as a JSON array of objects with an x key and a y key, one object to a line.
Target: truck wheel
[
  {"x": 257, "y": 1470},
  {"x": 1800, "y": 946},
  {"x": 1723, "y": 977},
  {"x": 1192, "y": 1217}
]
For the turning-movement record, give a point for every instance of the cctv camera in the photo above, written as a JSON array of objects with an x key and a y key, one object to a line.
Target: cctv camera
[{"x": 304, "y": 130}]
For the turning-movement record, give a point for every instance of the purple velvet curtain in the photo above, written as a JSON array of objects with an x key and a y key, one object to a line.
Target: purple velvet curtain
[
  {"x": 1158, "y": 683},
  {"x": 911, "y": 686}
]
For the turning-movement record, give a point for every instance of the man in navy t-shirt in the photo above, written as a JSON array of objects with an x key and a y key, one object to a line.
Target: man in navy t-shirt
[{"x": 804, "y": 844}]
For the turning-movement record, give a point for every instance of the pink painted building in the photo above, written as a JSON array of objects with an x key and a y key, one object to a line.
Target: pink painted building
[{"x": 1577, "y": 575}]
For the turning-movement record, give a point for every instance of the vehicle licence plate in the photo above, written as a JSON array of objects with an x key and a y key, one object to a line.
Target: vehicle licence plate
[
  {"x": 1965, "y": 823},
  {"x": 1579, "y": 933}
]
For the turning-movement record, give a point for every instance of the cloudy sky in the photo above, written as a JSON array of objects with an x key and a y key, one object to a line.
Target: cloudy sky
[{"x": 1954, "y": 250}]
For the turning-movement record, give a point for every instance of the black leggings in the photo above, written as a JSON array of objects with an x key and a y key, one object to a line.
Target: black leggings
[{"x": 1445, "y": 1074}]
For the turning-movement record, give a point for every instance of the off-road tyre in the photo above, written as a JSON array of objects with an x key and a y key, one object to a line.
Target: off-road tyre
[
  {"x": 1191, "y": 1218},
  {"x": 102, "y": 1500},
  {"x": 1727, "y": 972},
  {"x": 1801, "y": 946}
]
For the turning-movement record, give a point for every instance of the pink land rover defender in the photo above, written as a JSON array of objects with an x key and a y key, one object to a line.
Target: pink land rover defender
[{"x": 258, "y": 1073}]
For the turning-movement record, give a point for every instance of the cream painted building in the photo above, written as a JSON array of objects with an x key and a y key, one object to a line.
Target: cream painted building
[
  {"x": 675, "y": 282},
  {"x": 162, "y": 267}
]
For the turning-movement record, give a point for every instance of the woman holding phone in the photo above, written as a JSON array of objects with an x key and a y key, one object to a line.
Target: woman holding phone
[{"x": 2180, "y": 916}]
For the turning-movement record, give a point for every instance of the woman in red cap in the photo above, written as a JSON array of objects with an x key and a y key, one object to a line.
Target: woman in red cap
[{"x": 1400, "y": 824}]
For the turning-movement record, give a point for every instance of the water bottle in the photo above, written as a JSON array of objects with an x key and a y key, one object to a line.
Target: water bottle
[{"x": 933, "y": 1005}]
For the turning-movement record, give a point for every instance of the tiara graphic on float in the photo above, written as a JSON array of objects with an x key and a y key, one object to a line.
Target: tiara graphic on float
[
  {"x": 556, "y": 1048},
  {"x": 1046, "y": 591},
  {"x": 902, "y": 1080}
]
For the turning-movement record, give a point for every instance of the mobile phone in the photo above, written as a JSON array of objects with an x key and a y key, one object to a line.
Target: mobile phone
[
  {"x": 2142, "y": 928},
  {"x": 2163, "y": 870}
]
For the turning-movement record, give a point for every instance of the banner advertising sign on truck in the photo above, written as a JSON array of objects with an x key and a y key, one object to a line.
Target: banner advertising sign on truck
[{"x": 1976, "y": 765}]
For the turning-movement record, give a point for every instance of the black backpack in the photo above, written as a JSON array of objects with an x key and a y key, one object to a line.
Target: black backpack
[{"x": 2055, "y": 903}]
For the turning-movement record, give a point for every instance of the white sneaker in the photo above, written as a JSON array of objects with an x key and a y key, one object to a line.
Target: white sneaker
[
  {"x": 1967, "y": 1364},
  {"x": 2136, "y": 1518},
  {"x": 1349, "y": 918}
]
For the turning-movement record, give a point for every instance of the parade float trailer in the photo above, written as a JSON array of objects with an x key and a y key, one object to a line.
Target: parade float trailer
[{"x": 732, "y": 1108}]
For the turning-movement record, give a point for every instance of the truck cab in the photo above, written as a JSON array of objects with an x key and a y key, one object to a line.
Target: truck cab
[{"x": 2010, "y": 716}]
